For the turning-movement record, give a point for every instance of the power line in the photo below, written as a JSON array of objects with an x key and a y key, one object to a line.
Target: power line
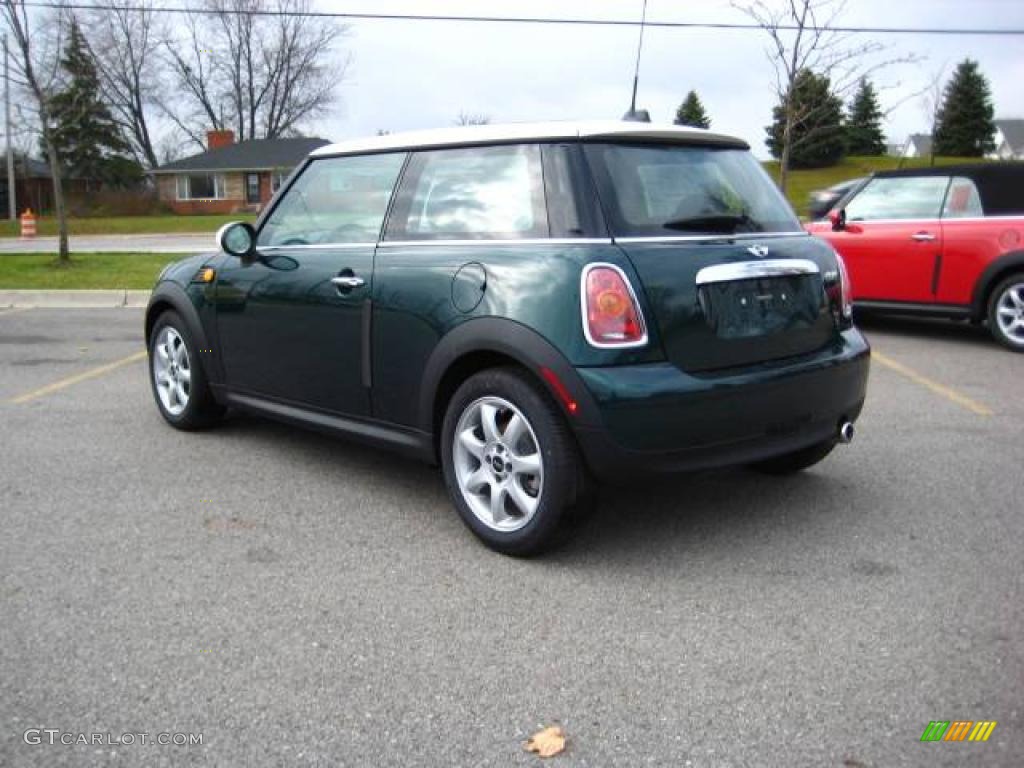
[{"x": 565, "y": 21}]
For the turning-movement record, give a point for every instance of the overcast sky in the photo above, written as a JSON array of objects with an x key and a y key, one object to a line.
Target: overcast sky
[{"x": 407, "y": 75}]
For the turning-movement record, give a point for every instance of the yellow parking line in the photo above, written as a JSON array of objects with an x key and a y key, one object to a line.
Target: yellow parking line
[
  {"x": 940, "y": 389},
  {"x": 92, "y": 373}
]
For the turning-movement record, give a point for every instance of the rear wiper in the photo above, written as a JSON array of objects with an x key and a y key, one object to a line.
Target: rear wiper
[{"x": 714, "y": 222}]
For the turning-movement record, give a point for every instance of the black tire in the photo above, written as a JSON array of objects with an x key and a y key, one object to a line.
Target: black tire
[
  {"x": 564, "y": 496},
  {"x": 1001, "y": 292},
  {"x": 201, "y": 410},
  {"x": 797, "y": 461}
]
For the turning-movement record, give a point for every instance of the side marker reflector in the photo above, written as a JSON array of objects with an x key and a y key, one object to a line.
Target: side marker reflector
[
  {"x": 563, "y": 394},
  {"x": 205, "y": 275}
]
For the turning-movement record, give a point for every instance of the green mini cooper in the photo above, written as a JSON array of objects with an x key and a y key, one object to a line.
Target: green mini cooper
[{"x": 536, "y": 308}]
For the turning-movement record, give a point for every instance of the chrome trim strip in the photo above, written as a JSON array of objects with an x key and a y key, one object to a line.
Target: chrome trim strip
[
  {"x": 632, "y": 295},
  {"x": 708, "y": 238},
  {"x": 321, "y": 246},
  {"x": 932, "y": 220},
  {"x": 507, "y": 241},
  {"x": 751, "y": 270},
  {"x": 1002, "y": 217}
]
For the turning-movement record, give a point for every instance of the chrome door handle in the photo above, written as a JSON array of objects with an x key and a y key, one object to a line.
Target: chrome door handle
[
  {"x": 923, "y": 237},
  {"x": 348, "y": 281}
]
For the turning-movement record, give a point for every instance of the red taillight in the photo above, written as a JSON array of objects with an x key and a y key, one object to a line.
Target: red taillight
[{"x": 610, "y": 313}]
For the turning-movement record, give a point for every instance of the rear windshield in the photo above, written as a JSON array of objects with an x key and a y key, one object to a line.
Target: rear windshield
[{"x": 666, "y": 190}]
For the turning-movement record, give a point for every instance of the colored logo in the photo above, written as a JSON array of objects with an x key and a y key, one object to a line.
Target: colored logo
[{"x": 958, "y": 730}]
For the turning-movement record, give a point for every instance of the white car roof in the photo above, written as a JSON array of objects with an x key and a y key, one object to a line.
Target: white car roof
[{"x": 514, "y": 132}]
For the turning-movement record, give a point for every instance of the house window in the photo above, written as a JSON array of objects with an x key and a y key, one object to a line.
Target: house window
[
  {"x": 276, "y": 180},
  {"x": 252, "y": 187},
  {"x": 201, "y": 186}
]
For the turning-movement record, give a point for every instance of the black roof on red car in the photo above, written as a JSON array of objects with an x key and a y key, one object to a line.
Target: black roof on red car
[
  {"x": 970, "y": 170},
  {"x": 1000, "y": 184}
]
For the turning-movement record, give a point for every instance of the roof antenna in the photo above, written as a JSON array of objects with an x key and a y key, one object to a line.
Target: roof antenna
[{"x": 641, "y": 116}]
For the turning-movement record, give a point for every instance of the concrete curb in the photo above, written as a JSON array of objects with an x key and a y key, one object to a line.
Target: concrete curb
[{"x": 104, "y": 299}]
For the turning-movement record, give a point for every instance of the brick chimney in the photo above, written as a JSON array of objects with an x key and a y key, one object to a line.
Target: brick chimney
[{"x": 218, "y": 139}]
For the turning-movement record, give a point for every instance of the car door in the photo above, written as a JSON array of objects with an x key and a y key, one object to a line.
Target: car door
[
  {"x": 969, "y": 243},
  {"x": 892, "y": 242},
  {"x": 291, "y": 319},
  {"x": 463, "y": 219}
]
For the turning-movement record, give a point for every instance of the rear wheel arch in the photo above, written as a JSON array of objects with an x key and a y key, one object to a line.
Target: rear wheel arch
[
  {"x": 995, "y": 273},
  {"x": 494, "y": 342},
  {"x": 459, "y": 371}
]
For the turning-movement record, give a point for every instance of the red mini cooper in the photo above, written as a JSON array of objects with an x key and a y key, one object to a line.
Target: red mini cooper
[{"x": 946, "y": 241}]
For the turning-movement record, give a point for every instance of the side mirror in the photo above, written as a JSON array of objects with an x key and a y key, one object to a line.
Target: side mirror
[
  {"x": 838, "y": 219},
  {"x": 237, "y": 239}
]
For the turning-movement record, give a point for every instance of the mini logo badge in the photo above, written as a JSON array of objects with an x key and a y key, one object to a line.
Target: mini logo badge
[{"x": 758, "y": 250}]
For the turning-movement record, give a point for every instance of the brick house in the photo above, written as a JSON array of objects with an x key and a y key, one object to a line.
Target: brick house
[
  {"x": 33, "y": 186},
  {"x": 230, "y": 177}
]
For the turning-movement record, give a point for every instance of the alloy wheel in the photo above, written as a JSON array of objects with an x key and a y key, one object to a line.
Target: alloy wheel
[
  {"x": 498, "y": 464},
  {"x": 1010, "y": 313},
  {"x": 172, "y": 372}
]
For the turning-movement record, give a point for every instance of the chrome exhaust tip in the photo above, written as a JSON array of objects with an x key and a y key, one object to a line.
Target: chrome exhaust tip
[{"x": 846, "y": 432}]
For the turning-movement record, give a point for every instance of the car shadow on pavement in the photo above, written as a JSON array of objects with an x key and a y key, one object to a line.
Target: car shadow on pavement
[
  {"x": 678, "y": 517},
  {"x": 701, "y": 514},
  {"x": 926, "y": 328}
]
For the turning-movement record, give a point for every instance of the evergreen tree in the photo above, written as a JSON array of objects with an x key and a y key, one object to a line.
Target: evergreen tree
[
  {"x": 964, "y": 126},
  {"x": 864, "y": 122},
  {"x": 815, "y": 117},
  {"x": 87, "y": 139},
  {"x": 691, "y": 112}
]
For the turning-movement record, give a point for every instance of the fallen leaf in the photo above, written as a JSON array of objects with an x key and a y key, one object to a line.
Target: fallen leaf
[{"x": 547, "y": 743}]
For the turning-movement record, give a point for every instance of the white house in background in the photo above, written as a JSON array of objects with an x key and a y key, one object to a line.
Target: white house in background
[
  {"x": 1009, "y": 139},
  {"x": 917, "y": 145}
]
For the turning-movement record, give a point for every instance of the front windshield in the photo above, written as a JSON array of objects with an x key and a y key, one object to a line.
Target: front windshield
[{"x": 669, "y": 190}]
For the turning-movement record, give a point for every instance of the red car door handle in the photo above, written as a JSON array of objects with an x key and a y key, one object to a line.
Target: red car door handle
[{"x": 922, "y": 237}]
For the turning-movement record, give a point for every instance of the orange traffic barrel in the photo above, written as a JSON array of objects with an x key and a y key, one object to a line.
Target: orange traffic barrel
[{"x": 28, "y": 223}]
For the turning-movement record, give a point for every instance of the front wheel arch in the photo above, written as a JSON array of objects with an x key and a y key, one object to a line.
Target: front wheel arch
[{"x": 171, "y": 296}]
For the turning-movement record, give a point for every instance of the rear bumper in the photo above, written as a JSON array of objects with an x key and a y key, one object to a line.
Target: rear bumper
[{"x": 657, "y": 418}]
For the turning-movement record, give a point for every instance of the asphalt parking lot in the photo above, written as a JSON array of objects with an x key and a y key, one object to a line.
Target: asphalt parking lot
[{"x": 302, "y": 601}]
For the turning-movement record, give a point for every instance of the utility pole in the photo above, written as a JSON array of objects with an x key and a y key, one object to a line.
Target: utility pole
[{"x": 12, "y": 204}]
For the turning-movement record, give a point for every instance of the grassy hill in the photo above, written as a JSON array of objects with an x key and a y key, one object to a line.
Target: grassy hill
[{"x": 802, "y": 183}]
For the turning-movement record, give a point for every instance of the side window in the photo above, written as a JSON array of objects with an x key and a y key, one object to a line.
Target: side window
[
  {"x": 563, "y": 213},
  {"x": 905, "y": 197},
  {"x": 962, "y": 200},
  {"x": 335, "y": 200},
  {"x": 474, "y": 193}
]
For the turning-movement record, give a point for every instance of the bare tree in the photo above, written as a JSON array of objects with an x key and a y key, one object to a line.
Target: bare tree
[
  {"x": 259, "y": 74},
  {"x": 125, "y": 44},
  {"x": 36, "y": 71},
  {"x": 803, "y": 38},
  {"x": 472, "y": 118},
  {"x": 931, "y": 102}
]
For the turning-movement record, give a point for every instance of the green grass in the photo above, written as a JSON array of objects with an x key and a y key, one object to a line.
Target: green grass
[
  {"x": 41, "y": 271},
  {"x": 802, "y": 183},
  {"x": 129, "y": 225}
]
